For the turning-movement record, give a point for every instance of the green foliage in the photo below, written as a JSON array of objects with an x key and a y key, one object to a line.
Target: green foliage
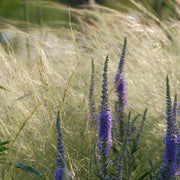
[
  {"x": 74, "y": 2},
  {"x": 4, "y": 157},
  {"x": 26, "y": 168},
  {"x": 31, "y": 11},
  {"x": 3, "y": 151},
  {"x": 3, "y": 88}
]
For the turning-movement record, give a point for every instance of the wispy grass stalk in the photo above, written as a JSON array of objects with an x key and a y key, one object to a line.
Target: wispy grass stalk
[{"x": 77, "y": 59}]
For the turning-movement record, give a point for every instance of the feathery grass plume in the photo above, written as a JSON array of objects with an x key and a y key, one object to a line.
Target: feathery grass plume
[
  {"x": 92, "y": 107},
  {"x": 169, "y": 168},
  {"x": 105, "y": 124},
  {"x": 60, "y": 160},
  {"x": 120, "y": 91}
]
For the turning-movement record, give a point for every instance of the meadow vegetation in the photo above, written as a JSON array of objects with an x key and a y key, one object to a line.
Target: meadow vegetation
[{"x": 46, "y": 67}]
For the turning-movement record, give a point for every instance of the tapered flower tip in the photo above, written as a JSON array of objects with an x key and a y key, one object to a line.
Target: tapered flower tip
[
  {"x": 122, "y": 58},
  {"x": 58, "y": 125},
  {"x": 167, "y": 79},
  {"x": 106, "y": 63},
  {"x": 125, "y": 42}
]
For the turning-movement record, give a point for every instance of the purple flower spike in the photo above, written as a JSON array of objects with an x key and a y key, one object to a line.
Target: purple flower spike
[
  {"x": 60, "y": 160},
  {"x": 170, "y": 164},
  {"x": 170, "y": 158},
  {"x": 105, "y": 116},
  {"x": 59, "y": 174},
  {"x": 105, "y": 130},
  {"x": 105, "y": 125},
  {"x": 120, "y": 82}
]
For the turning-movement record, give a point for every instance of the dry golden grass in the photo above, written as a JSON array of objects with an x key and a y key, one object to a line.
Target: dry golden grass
[{"x": 41, "y": 79}]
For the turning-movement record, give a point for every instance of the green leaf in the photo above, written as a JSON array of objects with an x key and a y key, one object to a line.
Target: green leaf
[
  {"x": 25, "y": 168},
  {"x": 3, "y": 148},
  {"x": 3, "y": 173},
  {"x": 1, "y": 87},
  {"x": 2, "y": 159},
  {"x": 153, "y": 168},
  {"x": 4, "y": 143},
  {"x": 3, "y": 154},
  {"x": 144, "y": 175},
  {"x": 134, "y": 120}
]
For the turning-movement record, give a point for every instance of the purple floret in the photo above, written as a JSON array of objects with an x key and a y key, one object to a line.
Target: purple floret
[
  {"x": 105, "y": 130},
  {"x": 170, "y": 157},
  {"x": 59, "y": 173},
  {"x": 120, "y": 82}
]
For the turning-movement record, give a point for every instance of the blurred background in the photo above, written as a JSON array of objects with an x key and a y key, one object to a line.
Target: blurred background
[{"x": 37, "y": 11}]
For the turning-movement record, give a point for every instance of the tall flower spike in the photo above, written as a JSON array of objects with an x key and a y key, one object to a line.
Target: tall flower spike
[
  {"x": 105, "y": 120},
  {"x": 169, "y": 168},
  {"x": 120, "y": 81},
  {"x": 60, "y": 160},
  {"x": 120, "y": 91},
  {"x": 92, "y": 107}
]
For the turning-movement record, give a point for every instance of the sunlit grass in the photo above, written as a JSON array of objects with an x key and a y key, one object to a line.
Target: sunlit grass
[{"x": 43, "y": 76}]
